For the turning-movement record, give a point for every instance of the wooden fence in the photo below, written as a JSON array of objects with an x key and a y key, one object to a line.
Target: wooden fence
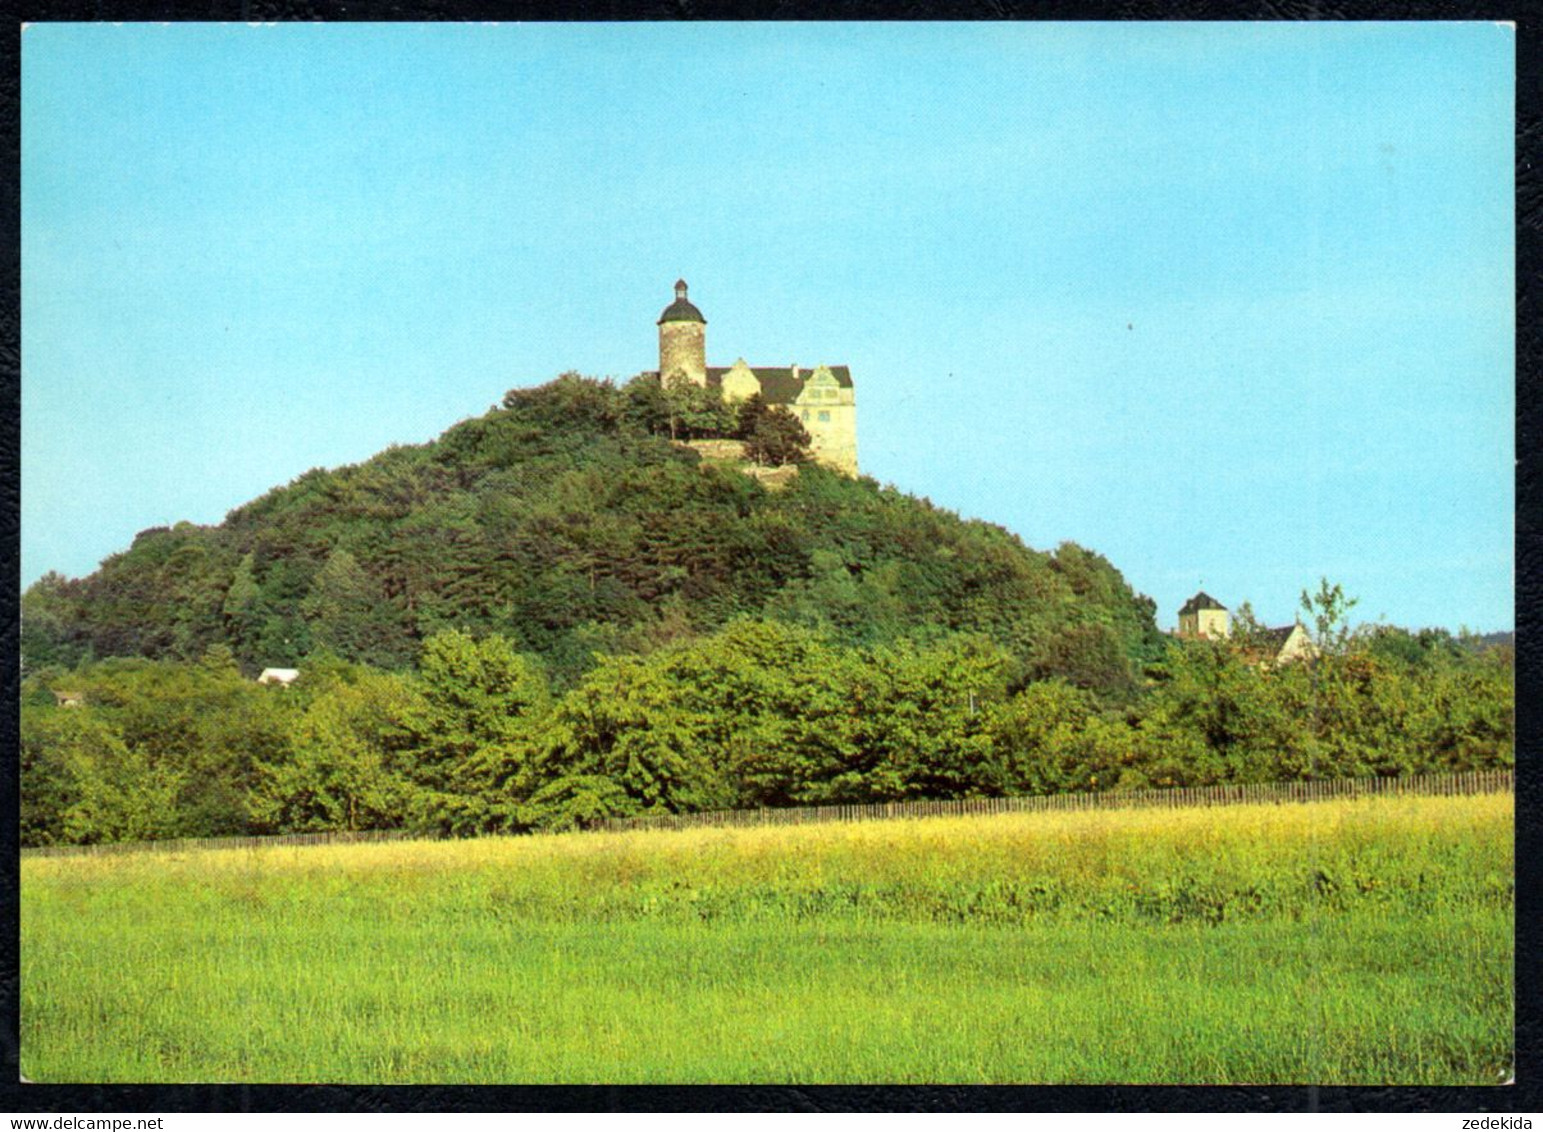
[
  {"x": 1470, "y": 782},
  {"x": 184, "y": 844},
  {"x": 1231, "y": 794}
]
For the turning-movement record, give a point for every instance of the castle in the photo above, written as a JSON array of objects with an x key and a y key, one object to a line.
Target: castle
[{"x": 823, "y": 398}]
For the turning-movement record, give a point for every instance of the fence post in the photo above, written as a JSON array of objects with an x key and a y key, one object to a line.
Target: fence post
[{"x": 1450, "y": 784}]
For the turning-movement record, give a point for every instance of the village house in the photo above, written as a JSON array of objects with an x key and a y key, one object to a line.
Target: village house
[
  {"x": 1202, "y": 616},
  {"x": 822, "y": 398},
  {"x": 283, "y": 677},
  {"x": 1281, "y": 645}
]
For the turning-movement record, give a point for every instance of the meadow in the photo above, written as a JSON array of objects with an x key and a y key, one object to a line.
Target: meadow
[{"x": 1352, "y": 941}]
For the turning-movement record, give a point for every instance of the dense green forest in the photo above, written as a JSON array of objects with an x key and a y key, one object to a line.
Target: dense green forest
[
  {"x": 568, "y": 523},
  {"x": 553, "y": 614}
]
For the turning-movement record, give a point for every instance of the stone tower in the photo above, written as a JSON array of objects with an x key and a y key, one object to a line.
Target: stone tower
[{"x": 682, "y": 340}]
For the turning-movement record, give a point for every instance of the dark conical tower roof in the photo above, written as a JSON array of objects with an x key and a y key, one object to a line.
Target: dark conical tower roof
[{"x": 681, "y": 310}]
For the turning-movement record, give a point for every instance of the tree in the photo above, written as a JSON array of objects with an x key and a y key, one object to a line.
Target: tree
[
  {"x": 773, "y": 436},
  {"x": 220, "y": 662},
  {"x": 117, "y": 792},
  {"x": 197, "y": 724},
  {"x": 1247, "y": 631},
  {"x": 48, "y": 623},
  {"x": 348, "y": 768},
  {"x": 625, "y": 722},
  {"x": 348, "y": 613},
  {"x": 925, "y": 724},
  {"x": 576, "y": 801},
  {"x": 1088, "y": 656},
  {"x": 1329, "y": 614},
  {"x": 1050, "y": 738},
  {"x": 748, "y": 415},
  {"x": 1214, "y": 715},
  {"x": 243, "y": 610},
  {"x": 433, "y": 550},
  {"x": 48, "y": 788},
  {"x": 695, "y": 411},
  {"x": 646, "y": 405},
  {"x": 571, "y": 402},
  {"x": 471, "y": 731},
  {"x": 1423, "y": 649}
]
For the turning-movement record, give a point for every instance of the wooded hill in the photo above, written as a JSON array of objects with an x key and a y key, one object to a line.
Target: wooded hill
[
  {"x": 554, "y": 614},
  {"x": 568, "y": 523}
]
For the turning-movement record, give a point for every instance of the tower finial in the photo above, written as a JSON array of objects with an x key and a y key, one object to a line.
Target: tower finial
[{"x": 680, "y": 288}]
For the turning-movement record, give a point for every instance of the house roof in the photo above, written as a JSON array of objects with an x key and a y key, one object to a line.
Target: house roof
[
  {"x": 1266, "y": 645},
  {"x": 1201, "y": 600},
  {"x": 778, "y": 385}
]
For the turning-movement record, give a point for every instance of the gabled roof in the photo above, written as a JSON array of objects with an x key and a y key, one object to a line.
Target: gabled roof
[
  {"x": 1201, "y": 600},
  {"x": 778, "y": 385},
  {"x": 1267, "y": 645}
]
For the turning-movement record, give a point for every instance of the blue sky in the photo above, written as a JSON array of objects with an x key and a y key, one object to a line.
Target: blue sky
[{"x": 1230, "y": 304}]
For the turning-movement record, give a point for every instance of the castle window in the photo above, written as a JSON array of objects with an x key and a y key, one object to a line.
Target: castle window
[
  {"x": 824, "y": 415},
  {"x": 804, "y": 413}
]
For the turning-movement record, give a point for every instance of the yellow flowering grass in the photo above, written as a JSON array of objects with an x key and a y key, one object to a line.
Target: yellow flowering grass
[{"x": 1350, "y": 941}]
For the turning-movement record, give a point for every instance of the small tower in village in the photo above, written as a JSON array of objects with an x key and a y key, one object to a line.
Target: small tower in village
[
  {"x": 682, "y": 340},
  {"x": 1204, "y": 616}
]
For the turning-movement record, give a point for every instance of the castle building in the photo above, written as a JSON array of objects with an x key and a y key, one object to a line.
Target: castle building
[{"x": 822, "y": 398}]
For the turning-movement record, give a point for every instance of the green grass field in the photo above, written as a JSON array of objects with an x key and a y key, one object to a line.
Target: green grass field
[{"x": 1343, "y": 942}]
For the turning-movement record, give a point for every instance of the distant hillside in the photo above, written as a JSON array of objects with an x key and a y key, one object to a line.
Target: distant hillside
[{"x": 564, "y": 522}]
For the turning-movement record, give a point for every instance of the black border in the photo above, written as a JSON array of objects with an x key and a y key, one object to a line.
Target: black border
[{"x": 1525, "y": 1096}]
